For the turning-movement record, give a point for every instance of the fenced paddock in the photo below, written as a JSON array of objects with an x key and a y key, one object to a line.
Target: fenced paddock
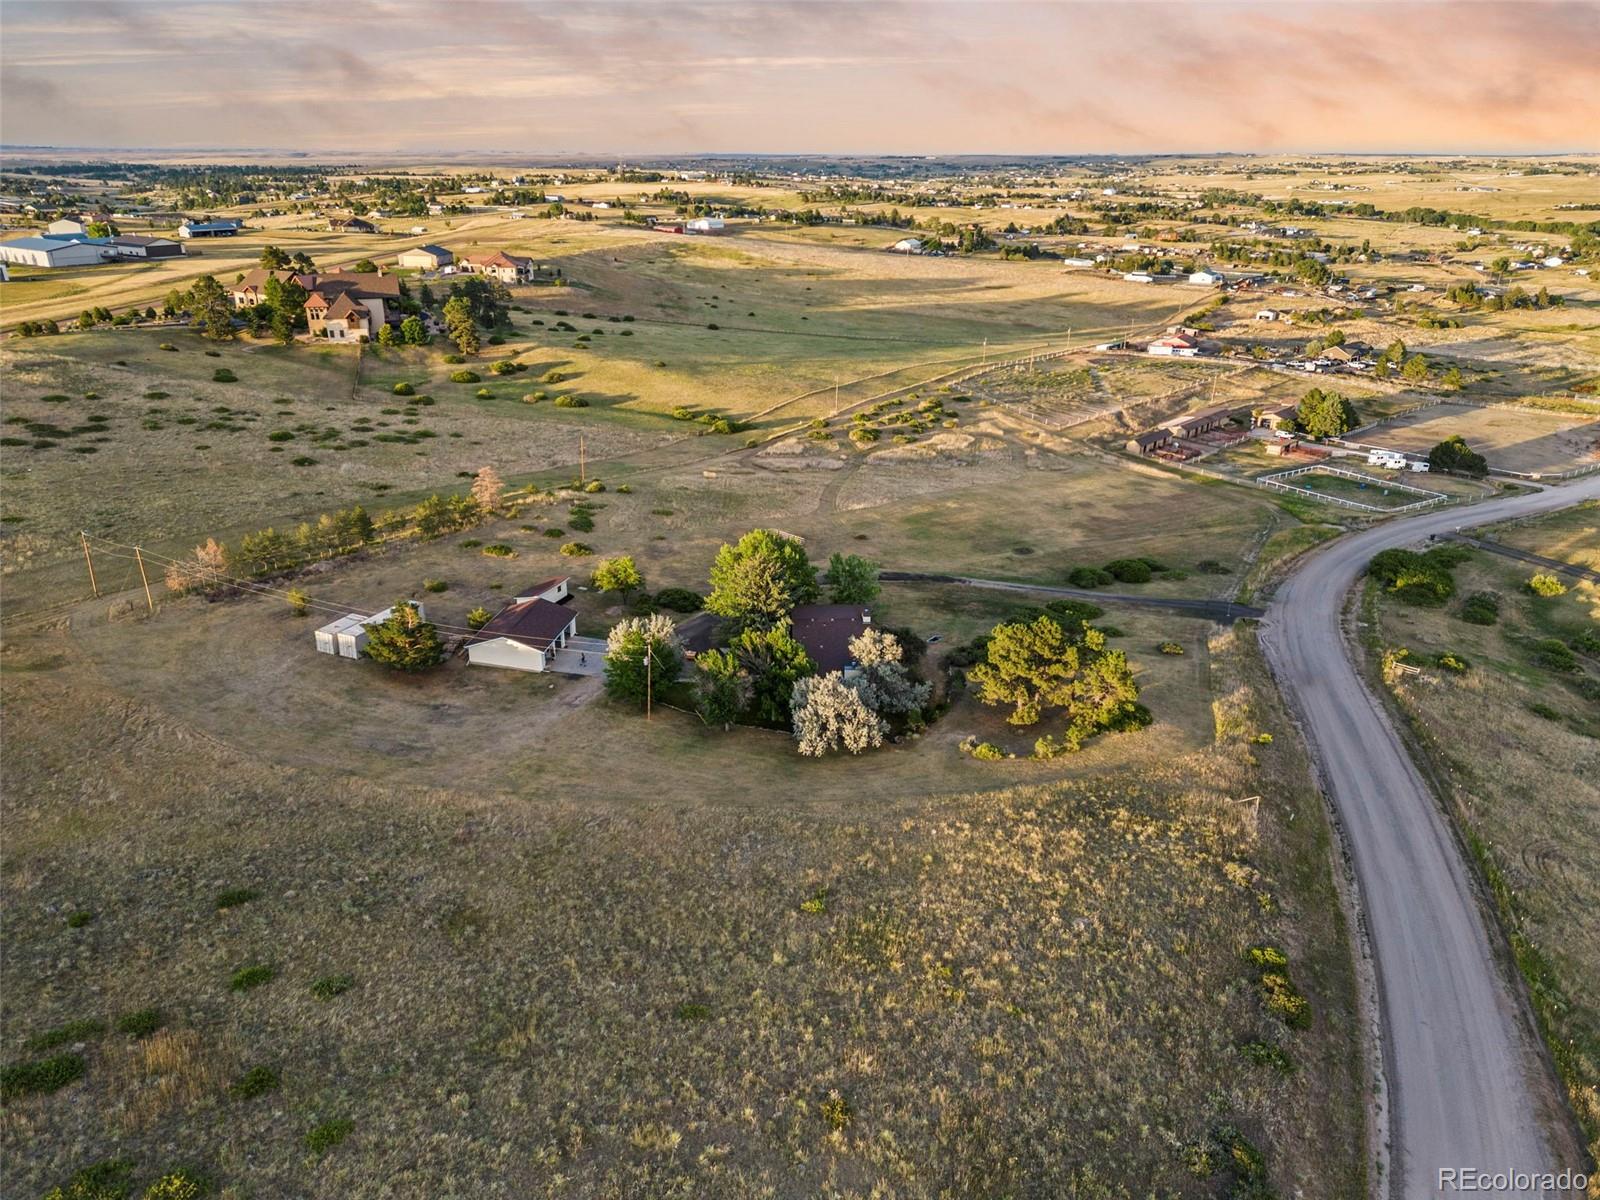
[
  {"x": 1517, "y": 440},
  {"x": 1279, "y": 481}
]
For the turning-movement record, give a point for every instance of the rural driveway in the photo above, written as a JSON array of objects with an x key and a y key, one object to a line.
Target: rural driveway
[{"x": 1467, "y": 1085}]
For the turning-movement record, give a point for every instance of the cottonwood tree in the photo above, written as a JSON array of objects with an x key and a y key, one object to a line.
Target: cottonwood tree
[
  {"x": 405, "y": 642},
  {"x": 852, "y": 579},
  {"x": 642, "y": 655},
  {"x": 722, "y": 688},
  {"x": 619, "y": 575},
  {"x": 885, "y": 683},
  {"x": 830, "y": 714},
  {"x": 774, "y": 660},
  {"x": 487, "y": 488},
  {"x": 1453, "y": 454},
  {"x": 760, "y": 579},
  {"x": 1325, "y": 414}
]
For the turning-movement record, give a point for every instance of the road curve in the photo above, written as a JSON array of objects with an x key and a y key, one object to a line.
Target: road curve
[{"x": 1466, "y": 1088}]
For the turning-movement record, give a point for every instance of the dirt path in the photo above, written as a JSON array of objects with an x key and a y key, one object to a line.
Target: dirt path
[{"x": 1467, "y": 1084}]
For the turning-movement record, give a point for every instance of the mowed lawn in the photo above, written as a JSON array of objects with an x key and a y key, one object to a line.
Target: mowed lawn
[{"x": 1520, "y": 741}]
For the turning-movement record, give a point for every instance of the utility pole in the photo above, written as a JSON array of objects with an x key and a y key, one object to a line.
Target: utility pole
[
  {"x": 139, "y": 557},
  {"x": 93, "y": 586},
  {"x": 649, "y": 677}
]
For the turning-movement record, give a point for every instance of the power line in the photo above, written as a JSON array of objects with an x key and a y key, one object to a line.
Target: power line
[{"x": 256, "y": 587}]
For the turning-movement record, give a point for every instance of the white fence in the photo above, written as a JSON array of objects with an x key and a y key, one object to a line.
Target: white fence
[{"x": 1276, "y": 483}]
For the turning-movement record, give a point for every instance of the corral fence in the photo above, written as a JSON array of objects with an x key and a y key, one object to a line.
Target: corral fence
[{"x": 1276, "y": 482}]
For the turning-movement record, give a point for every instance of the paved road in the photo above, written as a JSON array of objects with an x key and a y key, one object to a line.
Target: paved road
[
  {"x": 1537, "y": 560},
  {"x": 1466, "y": 1087},
  {"x": 1216, "y": 610}
]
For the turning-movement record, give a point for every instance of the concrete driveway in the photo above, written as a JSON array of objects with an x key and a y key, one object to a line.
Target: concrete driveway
[{"x": 580, "y": 656}]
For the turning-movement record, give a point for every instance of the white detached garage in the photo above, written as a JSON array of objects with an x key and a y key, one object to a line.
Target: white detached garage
[{"x": 523, "y": 636}]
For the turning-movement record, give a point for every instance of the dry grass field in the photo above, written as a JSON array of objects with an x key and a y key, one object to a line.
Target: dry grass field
[
  {"x": 609, "y": 987},
  {"x": 1517, "y": 744},
  {"x": 1521, "y": 439}
]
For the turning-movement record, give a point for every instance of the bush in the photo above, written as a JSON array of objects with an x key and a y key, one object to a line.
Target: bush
[
  {"x": 571, "y": 402},
  {"x": 1089, "y": 577},
  {"x": 1452, "y": 662},
  {"x": 1555, "y": 654},
  {"x": 435, "y": 585},
  {"x": 1587, "y": 642},
  {"x": 499, "y": 550},
  {"x": 1129, "y": 570},
  {"x": 327, "y": 1135},
  {"x": 1547, "y": 585},
  {"x": 465, "y": 377},
  {"x": 689, "y": 1011},
  {"x": 1265, "y": 1054},
  {"x": 253, "y": 976},
  {"x": 41, "y": 1075},
  {"x": 987, "y": 752},
  {"x": 177, "y": 1185},
  {"x": 677, "y": 599},
  {"x": 580, "y": 520},
  {"x": 1421, "y": 579},
  {"x": 303, "y": 460},
  {"x": 330, "y": 986},
  {"x": 257, "y": 1081},
  {"x": 404, "y": 389},
  {"x": 77, "y": 920},
  {"x": 141, "y": 1023},
  {"x": 454, "y": 359},
  {"x": 223, "y": 375},
  {"x": 1210, "y": 566},
  {"x": 593, "y": 486},
  {"x": 1170, "y": 648},
  {"x": 65, "y": 1035},
  {"x": 1481, "y": 608},
  {"x": 233, "y": 897},
  {"x": 579, "y": 549}
]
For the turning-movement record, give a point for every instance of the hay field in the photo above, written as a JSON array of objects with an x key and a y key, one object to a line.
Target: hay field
[
  {"x": 1523, "y": 439},
  {"x": 1517, "y": 745}
]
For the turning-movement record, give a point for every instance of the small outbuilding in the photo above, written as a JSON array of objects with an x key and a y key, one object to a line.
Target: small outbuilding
[
  {"x": 198, "y": 229},
  {"x": 523, "y": 636},
  {"x": 1149, "y": 442},
  {"x": 426, "y": 258}
]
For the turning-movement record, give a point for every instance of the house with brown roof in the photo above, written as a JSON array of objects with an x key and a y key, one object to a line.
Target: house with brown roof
[
  {"x": 351, "y": 225},
  {"x": 825, "y": 630},
  {"x": 507, "y": 268},
  {"x": 1150, "y": 442},
  {"x": 523, "y": 636},
  {"x": 341, "y": 305}
]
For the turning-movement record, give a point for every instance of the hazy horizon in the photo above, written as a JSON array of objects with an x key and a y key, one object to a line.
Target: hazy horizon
[{"x": 880, "y": 78}]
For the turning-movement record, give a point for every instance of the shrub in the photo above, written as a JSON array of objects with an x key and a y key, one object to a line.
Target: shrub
[
  {"x": 1547, "y": 711},
  {"x": 835, "y": 1109},
  {"x": 1587, "y": 642},
  {"x": 454, "y": 359},
  {"x": 41, "y": 1075},
  {"x": 404, "y": 389},
  {"x": 234, "y": 897},
  {"x": 330, "y": 986},
  {"x": 1420, "y": 579},
  {"x": 1129, "y": 570},
  {"x": 1481, "y": 608},
  {"x": 303, "y": 460},
  {"x": 281, "y": 435},
  {"x": 484, "y": 394},
  {"x": 571, "y": 402},
  {"x": 65, "y": 1035},
  {"x": 109, "y": 1180},
  {"x": 593, "y": 486},
  {"x": 1210, "y": 566},
  {"x": 625, "y": 489},
  {"x": 253, "y": 976},
  {"x": 223, "y": 375},
  {"x": 689, "y": 1011},
  {"x": 257, "y": 1081},
  {"x": 167, "y": 346},
  {"x": 816, "y": 904},
  {"x": 1170, "y": 648},
  {"x": 533, "y": 397},
  {"x": 1555, "y": 654},
  {"x": 141, "y": 1023},
  {"x": 435, "y": 585},
  {"x": 177, "y": 1185},
  {"x": 324, "y": 1137},
  {"x": 1087, "y": 577},
  {"x": 1453, "y": 662},
  {"x": 499, "y": 550},
  {"x": 465, "y": 377},
  {"x": 1547, "y": 585},
  {"x": 677, "y": 599},
  {"x": 77, "y": 920},
  {"x": 579, "y": 549},
  {"x": 987, "y": 752},
  {"x": 1265, "y": 1054}
]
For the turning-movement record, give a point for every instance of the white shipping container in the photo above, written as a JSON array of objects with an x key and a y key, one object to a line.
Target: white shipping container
[{"x": 327, "y": 636}]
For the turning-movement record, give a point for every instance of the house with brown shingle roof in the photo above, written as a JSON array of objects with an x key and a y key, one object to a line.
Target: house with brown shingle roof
[
  {"x": 825, "y": 630},
  {"x": 507, "y": 268},
  {"x": 332, "y": 300}
]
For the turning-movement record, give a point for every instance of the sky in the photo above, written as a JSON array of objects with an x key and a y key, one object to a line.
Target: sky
[{"x": 665, "y": 77}]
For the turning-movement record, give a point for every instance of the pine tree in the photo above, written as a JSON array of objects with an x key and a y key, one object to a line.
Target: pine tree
[{"x": 405, "y": 642}]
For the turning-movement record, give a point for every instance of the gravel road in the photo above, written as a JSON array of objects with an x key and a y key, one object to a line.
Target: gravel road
[{"x": 1467, "y": 1086}]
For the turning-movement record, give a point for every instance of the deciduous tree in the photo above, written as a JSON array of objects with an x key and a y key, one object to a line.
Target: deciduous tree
[
  {"x": 619, "y": 575},
  {"x": 642, "y": 656},
  {"x": 852, "y": 579},
  {"x": 761, "y": 578},
  {"x": 830, "y": 714},
  {"x": 722, "y": 688}
]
